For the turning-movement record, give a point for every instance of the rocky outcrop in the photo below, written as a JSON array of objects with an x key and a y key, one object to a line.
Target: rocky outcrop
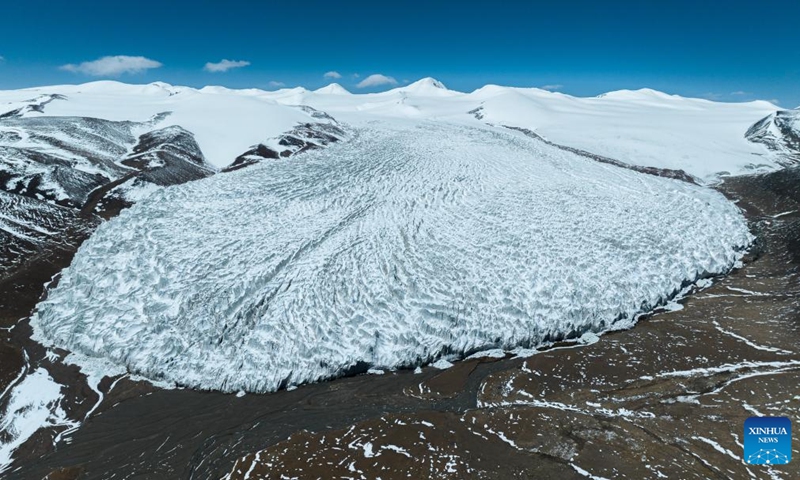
[
  {"x": 780, "y": 132},
  {"x": 52, "y": 168},
  {"x": 31, "y": 227},
  {"x": 304, "y": 137},
  {"x": 168, "y": 156}
]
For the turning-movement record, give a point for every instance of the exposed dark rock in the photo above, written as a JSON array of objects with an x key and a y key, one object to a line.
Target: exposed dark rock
[
  {"x": 73, "y": 162},
  {"x": 34, "y": 105},
  {"x": 169, "y": 156},
  {"x": 477, "y": 113},
  {"x": 780, "y": 132},
  {"x": 31, "y": 227},
  {"x": 303, "y": 137},
  {"x": 63, "y": 158}
]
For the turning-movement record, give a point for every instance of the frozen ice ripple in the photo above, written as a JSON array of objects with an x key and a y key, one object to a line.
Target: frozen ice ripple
[{"x": 405, "y": 244}]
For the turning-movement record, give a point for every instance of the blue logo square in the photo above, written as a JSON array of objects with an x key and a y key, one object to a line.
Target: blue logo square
[{"x": 767, "y": 440}]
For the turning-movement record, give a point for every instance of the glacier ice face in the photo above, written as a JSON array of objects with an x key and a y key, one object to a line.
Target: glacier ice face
[{"x": 406, "y": 243}]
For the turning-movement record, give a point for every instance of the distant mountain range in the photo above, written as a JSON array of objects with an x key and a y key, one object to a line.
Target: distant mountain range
[{"x": 99, "y": 147}]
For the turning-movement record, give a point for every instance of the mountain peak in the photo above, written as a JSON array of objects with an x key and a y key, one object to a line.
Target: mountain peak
[
  {"x": 333, "y": 89},
  {"x": 640, "y": 94},
  {"x": 425, "y": 87},
  {"x": 426, "y": 83}
]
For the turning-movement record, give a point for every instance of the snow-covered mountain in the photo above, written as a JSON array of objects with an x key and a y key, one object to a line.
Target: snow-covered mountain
[
  {"x": 55, "y": 172},
  {"x": 332, "y": 89},
  {"x": 63, "y": 159},
  {"x": 642, "y": 127},
  {"x": 99, "y": 147},
  {"x": 302, "y": 138},
  {"x": 780, "y": 132}
]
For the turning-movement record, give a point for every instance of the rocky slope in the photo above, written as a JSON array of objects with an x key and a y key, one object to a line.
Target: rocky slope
[
  {"x": 780, "y": 132},
  {"x": 322, "y": 131},
  {"x": 55, "y": 171}
]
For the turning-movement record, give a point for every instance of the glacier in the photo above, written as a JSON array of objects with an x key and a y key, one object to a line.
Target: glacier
[{"x": 412, "y": 241}]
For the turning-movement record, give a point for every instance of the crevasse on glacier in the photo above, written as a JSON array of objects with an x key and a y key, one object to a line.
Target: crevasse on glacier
[{"x": 389, "y": 250}]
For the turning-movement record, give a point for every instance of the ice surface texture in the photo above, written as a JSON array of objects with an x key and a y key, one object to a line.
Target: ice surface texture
[{"x": 392, "y": 249}]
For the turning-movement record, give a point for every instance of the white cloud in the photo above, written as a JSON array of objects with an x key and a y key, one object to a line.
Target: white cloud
[
  {"x": 375, "y": 80},
  {"x": 112, "y": 66},
  {"x": 553, "y": 87},
  {"x": 225, "y": 65},
  {"x": 739, "y": 93},
  {"x": 2, "y": 58},
  {"x": 355, "y": 75},
  {"x": 275, "y": 84},
  {"x": 332, "y": 74}
]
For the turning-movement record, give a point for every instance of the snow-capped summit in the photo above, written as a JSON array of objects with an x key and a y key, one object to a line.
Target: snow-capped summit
[
  {"x": 333, "y": 89},
  {"x": 164, "y": 85},
  {"x": 425, "y": 86},
  {"x": 641, "y": 127},
  {"x": 291, "y": 90},
  {"x": 489, "y": 89},
  {"x": 640, "y": 94},
  {"x": 428, "y": 82}
]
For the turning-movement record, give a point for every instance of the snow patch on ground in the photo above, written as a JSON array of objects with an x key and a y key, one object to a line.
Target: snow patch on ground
[
  {"x": 33, "y": 403},
  {"x": 493, "y": 353},
  {"x": 586, "y": 473},
  {"x": 441, "y": 364}
]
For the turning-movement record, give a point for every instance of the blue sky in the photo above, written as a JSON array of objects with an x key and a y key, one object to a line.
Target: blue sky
[{"x": 730, "y": 51}]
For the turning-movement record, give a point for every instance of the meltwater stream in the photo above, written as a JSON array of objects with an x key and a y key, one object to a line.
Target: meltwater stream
[{"x": 404, "y": 244}]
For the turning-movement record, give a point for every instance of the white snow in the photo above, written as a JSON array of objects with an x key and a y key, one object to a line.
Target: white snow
[
  {"x": 413, "y": 240},
  {"x": 441, "y": 364},
  {"x": 641, "y": 127},
  {"x": 716, "y": 446},
  {"x": 585, "y": 473},
  {"x": 368, "y": 453},
  {"x": 733, "y": 367},
  {"x": 494, "y": 353},
  {"x": 396, "y": 449},
  {"x": 333, "y": 89},
  {"x": 749, "y": 342},
  {"x": 782, "y": 214},
  {"x": 34, "y": 403},
  {"x": 135, "y": 190},
  {"x": 225, "y": 122}
]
